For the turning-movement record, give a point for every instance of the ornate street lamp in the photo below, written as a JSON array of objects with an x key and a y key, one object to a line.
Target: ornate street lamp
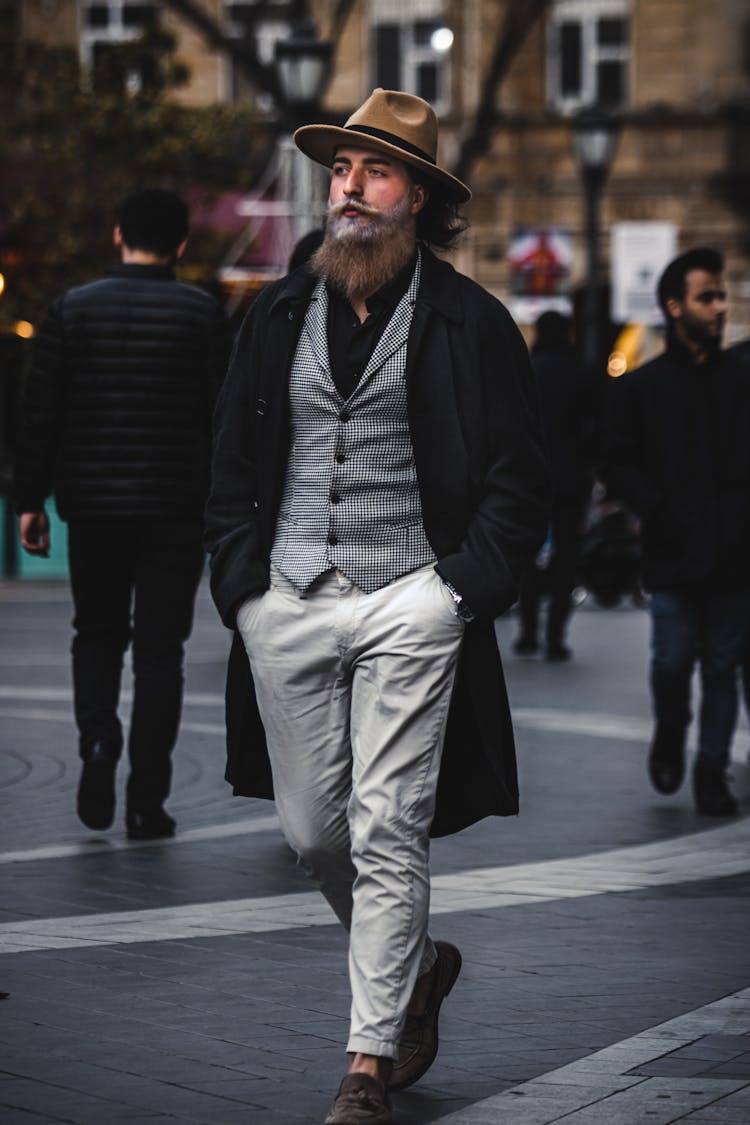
[
  {"x": 595, "y": 133},
  {"x": 303, "y": 65}
]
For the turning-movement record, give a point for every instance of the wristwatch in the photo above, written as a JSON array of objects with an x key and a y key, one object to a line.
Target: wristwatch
[{"x": 462, "y": 610}]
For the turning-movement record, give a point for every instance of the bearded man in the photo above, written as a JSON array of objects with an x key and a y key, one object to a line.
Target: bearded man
[
  {"x": 676, "y": 450},
  {"x": 379, "y": 486}
]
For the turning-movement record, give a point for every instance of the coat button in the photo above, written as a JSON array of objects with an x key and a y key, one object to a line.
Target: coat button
[
  {"x": 335, "y": 498},
  {"x": 344, "y": 416},
  {"x": 340, "y": 458},
  {"x": 332, "y": 540}
]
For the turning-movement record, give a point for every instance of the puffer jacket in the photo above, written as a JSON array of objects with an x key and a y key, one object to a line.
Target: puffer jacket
[{"x": 116, "y": 410}]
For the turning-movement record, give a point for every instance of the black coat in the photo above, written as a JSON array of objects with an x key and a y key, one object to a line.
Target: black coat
[
  {"x": 117, "y": 405},
  {"x": 570, "y": 407},
  {"x": 484, "y": 492},
  {"x": 676, "y": 450}
]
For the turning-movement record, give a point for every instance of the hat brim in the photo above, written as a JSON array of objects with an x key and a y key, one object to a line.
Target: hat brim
[{"x": 320, "y": 142}]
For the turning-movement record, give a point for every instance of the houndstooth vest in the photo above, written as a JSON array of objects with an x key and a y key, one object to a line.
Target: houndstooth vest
[{"x": 351, "y": 496}]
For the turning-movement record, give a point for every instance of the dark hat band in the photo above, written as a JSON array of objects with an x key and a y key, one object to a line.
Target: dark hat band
[{"x": 392, "y": 139}]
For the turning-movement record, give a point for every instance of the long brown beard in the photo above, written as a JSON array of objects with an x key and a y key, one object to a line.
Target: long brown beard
[{"x": 360, "y": 264}]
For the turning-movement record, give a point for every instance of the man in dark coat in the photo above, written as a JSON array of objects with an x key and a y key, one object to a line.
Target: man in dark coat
[
  {"x": 568, "y": 403},
  {"x": 379, "y": 484},
  {"x": 116, "y": 422},
  {"x": 676, "y": 451},
  {"x": 741, "y": 353}
]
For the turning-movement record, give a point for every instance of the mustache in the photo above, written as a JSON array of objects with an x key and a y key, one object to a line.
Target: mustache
[{"x": 336, "y": 210}]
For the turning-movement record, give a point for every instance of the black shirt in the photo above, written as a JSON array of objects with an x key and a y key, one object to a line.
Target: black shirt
[{"x": 351, "y": 344}]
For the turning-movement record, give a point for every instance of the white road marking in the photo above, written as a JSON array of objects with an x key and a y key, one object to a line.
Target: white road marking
[
  {"x": 603, "y": 1077},
  {"x": 65, "y": 695},
  {"x": 37, "y": 714},
  {"x": 590, "y": 724},
  {"x": 62, "y": 660},
  {"x": 716, "y": 853},
  {"x": 99, "y": 845},
  {"x": 597, "y": 724}
]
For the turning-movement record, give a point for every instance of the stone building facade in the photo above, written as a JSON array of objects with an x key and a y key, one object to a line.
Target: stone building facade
[{"x": 676, "y": 73}]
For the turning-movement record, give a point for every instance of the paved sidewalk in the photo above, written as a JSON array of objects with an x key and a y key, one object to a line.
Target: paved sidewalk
[{"x": 604, "y": 932}]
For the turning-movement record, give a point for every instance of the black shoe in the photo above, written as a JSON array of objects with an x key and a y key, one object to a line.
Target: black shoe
[
  {"x": 666, "y": 762},
  {"x": 152, "y": 825},
  {"x": 712, "y": 795},
  {"x": 361, "y": 1100},
  {"x": 418, "y": 1047},
  {"x": 557, "y": 653},
  {"x": 96, "y": 789},
  {"x": 525, "y": 646}
]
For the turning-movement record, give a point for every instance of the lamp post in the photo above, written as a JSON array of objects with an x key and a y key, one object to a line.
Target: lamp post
[
  {"x": 303, "y": 64},
  {"x": 595, "y": 133}
]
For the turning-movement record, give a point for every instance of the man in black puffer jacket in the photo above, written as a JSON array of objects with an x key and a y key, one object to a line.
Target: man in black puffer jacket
[{"x": 115, "y": 422}]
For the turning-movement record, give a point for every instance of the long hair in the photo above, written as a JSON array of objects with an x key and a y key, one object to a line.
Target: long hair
[{"x": 439, "y": 223}]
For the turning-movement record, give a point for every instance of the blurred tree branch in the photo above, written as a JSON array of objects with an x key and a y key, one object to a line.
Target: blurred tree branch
[
  {"x": 520, "y": 17},
  {"x": 242, "y": 50},
  {"x": 72, "y": 150}
]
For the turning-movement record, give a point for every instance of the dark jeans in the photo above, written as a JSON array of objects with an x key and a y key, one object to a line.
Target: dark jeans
[
  {"x": 133, "y": 580},
  {"x": 558, "y": 580},
  {"x": 709, "y": 628}
]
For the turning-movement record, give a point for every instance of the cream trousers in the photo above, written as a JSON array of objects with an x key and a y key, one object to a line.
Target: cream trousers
[{"x": 353, "y": 690}]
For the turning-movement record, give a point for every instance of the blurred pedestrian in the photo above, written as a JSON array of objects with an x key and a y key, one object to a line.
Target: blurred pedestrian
[
  {"x": 116, "y": 423},
  {"x": 676, "y": 450},
  {"x": 379, "y": 485},
  {"x": 568, "y": 403},
  {"x": 741, "y": 352}
]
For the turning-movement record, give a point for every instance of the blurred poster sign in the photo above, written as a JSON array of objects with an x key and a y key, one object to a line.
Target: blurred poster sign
[
  {"x": 639, "y": 253},
  {"x": 540, "y": 263}
]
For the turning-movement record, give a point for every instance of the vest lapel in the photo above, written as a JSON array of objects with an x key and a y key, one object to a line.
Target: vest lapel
[
  {"x": 316, "y": 325},
  {"x": 397, "y": 330}
]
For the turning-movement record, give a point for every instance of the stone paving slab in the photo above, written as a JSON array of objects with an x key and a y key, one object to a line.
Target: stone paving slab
[{"x": 606, "y": 1087}]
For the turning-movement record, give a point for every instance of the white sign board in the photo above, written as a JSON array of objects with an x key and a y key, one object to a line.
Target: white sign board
[{"x": 639, "y": 253}]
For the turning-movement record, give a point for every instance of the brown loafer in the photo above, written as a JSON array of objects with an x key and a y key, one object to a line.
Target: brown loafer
[
  {"x": 361, "y": 1100},
  {"x": 419, "y": 1041}
]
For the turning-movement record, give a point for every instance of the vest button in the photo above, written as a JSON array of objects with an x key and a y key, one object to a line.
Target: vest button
[
  {"x": 335, "y": 498},
  {"x": 332, "y": 540},
  {"x": 341, "y": 457},
  {"x": 344, "y": 416}
]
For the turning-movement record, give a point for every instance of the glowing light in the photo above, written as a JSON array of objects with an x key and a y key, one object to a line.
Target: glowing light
[
  {"x": 441, "y": 39},
  {"x": 630, "y": 344},
  {"x": 617, "y": 365},
  {"x": 2, "y": 283},
  {"x": 23, "y": 329}
]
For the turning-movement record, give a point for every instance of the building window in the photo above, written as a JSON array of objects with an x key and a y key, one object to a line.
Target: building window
[
  {"x": 411, "y": 49},
  {"x": 589, "y": 52},
  {"x": 9, "y": 31},
  {"x": 252, "y": 21},
  {"x": 106, "y": 30}
]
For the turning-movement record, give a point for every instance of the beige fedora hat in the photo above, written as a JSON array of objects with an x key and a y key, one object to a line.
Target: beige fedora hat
[{"x": 398, "y": 124}]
